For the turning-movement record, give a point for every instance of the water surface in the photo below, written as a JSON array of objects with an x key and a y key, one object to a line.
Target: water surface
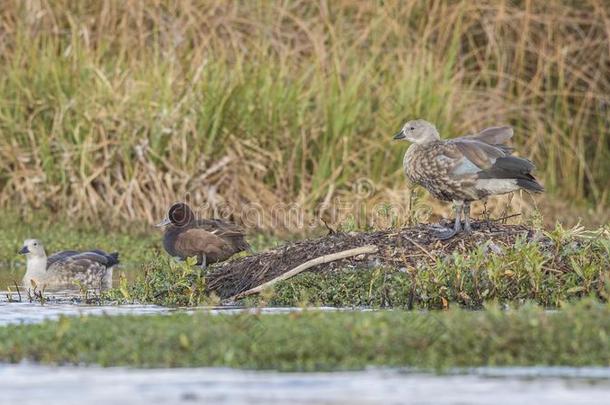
[{"x": 31, "y": 384}]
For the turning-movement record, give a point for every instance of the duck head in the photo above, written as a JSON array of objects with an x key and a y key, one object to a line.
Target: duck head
[
  {"x": 179, "y": 214},
  {"x": 32, "y": 248},
  {"x": 418, "y": 131}
]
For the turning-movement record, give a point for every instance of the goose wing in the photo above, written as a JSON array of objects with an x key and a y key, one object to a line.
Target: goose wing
[
  {"x": 495, "y": 136},
  {"x": 81, "y": 261},
  {"x": 484, "y": 162},
  {"x": 56, "y": 257},
  {"x": 471, "y": 157}
]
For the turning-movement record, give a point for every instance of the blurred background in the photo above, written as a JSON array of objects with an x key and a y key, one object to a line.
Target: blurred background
[{"x": 111, "y": 110}]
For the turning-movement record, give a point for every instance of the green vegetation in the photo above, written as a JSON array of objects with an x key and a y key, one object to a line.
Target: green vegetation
[
  {"x": 116, "y": 109},
  {"x": 578, "y": 335},
  {"x": 522, "y": 272},
  {"x": 570, "y": 265}
]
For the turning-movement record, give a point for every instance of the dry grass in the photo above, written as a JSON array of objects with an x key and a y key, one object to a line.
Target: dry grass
[{"x": 118, "y": 108}]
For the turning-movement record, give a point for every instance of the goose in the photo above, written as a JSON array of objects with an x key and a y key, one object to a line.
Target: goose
[
  {"x": 464, "y": 169},
  {"x": 210, "y": 240},
  {"x": 67, "y": 269}
]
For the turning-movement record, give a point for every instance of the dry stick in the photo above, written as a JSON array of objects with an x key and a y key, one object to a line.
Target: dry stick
[
  {"x": 311, "y": 263},
  {"x": 504, "y": 218},
  {"x": 423, "y": 249}
]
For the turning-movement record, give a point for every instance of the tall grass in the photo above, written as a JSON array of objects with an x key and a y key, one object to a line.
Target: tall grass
[{"x": 118, "y": 108}]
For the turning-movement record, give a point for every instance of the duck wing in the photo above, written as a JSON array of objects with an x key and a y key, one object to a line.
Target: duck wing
[
  {"x": 220, "y": 228},
  {"x": 198, "y": 242},
  {"x": 226, "y": 230}
]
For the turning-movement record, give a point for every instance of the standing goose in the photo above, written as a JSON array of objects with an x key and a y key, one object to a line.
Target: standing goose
[
  {"x": 464, "y": 169},
  {"x": 210, "y": 240},
  {"x": 91, "y": 269}
]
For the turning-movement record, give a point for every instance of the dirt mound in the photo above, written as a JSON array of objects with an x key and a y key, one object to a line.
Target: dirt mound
[{"x": 396, "y": 248}]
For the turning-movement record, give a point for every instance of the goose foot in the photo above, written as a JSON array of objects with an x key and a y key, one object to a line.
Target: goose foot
[{"x": 443, "y": 233}]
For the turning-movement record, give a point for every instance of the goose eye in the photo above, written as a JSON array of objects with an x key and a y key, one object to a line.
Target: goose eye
[{"x": 412, "y": 128}]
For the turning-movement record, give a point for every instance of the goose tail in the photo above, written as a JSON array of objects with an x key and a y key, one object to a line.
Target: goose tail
[{"x": 113, "y": 259}]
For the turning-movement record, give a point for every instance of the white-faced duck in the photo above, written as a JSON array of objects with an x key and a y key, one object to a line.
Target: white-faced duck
[
  {"x": 464, "y": 169},
  {"x": 67, "y": 269},
  {"x": 210, "y": 240}
]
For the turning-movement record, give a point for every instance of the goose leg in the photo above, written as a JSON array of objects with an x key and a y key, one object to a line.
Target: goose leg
[
  {"x": 467, "y": 227},
  {"x": 204, "y": 262},
  {"x": 457, "y": 226}
]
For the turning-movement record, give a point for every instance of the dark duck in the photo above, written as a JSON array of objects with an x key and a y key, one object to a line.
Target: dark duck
[
  {"x": 210, "y": 240},
  {"x": 464, "y": 169}
]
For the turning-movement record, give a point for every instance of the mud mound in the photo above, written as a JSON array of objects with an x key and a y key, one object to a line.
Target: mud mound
[{"x": 397, "y": 248}]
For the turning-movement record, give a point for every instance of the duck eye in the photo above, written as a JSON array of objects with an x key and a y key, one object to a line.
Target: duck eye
[{"x": 412, "y": 128}]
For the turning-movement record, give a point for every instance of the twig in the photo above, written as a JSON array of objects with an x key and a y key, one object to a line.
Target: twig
[
  {"x": 302, "y": 267},
  {"x": 331, "y": 231},
  {"x": 505, "y": 217},
  {"x": 420, "y": 248}
]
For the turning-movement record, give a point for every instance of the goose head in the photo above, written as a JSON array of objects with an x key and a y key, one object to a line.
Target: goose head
[
  {"x": 418, "y": 131},
  {"x": 32, "y": 248}
]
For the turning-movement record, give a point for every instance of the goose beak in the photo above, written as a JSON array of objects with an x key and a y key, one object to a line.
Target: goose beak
[
  {"x": 24, "y": 250},
  {"x": 400, "y": 135},
  {"x": 163, "y": 223}
]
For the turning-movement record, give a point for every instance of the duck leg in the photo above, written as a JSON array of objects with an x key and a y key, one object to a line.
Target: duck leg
[
  {"x": 204, "y": 262},
  {"x": 457, "y": 226},
  {"x": 467, "y": 227}
]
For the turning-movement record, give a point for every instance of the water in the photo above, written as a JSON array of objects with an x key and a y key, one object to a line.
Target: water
[
  {"x": 62, "y": 303},
  {"x": 68, "y": 304},
  {"x": 31, "y": 384},
  {"x": 35, "y": 384}
]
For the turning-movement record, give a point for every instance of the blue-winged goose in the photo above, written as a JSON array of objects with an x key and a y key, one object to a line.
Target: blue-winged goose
[
  {"x": 210, "y": 240},
  {"x": 67, "y": 269},
  {"x": 464, "y": 169}
]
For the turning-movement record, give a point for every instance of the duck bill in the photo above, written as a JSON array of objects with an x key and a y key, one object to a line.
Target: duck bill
[
  {"x": 163, "y": 223},
  {"x": 399, "y": 136},
  {"x": 24, "y": 250}
]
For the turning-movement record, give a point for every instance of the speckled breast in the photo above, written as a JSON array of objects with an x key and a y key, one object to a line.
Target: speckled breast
[{"x": 423, "y": 166}]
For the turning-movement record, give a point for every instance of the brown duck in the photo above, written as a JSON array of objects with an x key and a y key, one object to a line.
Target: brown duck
[
  {"x": 210, "y": 240},
  {"x": 464, "y": 169}
]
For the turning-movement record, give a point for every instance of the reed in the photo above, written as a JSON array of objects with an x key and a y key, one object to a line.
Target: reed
[{"x": 121, "y": 108}]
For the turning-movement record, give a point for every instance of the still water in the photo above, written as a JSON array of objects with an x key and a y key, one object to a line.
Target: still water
[{"x": 31, "y": 384}]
